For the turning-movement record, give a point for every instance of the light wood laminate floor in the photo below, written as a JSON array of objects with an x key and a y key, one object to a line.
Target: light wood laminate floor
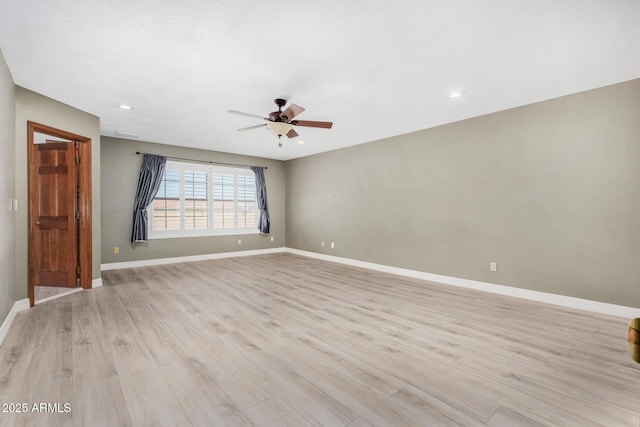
[
  {"x": 286, "y": 340},
  {"x": 45, "y": 293}
]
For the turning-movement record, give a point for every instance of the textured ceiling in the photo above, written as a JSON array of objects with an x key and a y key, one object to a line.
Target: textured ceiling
[{"x": 375, "y": 68}]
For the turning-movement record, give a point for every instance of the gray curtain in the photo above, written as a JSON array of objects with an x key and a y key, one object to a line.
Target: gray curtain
[
  {"x": 264, "y": 222},
  {"x": 148, "y": 184}
]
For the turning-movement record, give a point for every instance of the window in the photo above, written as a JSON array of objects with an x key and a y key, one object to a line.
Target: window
[
  {"x": 196, "y": 204},
  {"x": 195, "y": 200}
]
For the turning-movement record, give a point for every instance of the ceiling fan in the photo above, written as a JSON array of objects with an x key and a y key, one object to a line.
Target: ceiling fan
[{"x": 282, "y": 122}]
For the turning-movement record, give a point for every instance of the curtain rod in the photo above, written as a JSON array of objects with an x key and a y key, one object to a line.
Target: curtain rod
[{"x": 203, "y": 161}]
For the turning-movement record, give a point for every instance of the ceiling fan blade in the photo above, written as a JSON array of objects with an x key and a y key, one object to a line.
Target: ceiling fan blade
[
  {"x": 253, "y": 127},
  {"x": 292, "y": 133},
  {"x": 240, "y": 113},
  {"x": 312, "y": 124},
  {"x": 292, "y": 111}
]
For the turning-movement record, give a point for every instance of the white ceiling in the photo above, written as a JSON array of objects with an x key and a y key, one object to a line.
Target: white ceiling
[{"x": 375, "y": 68}]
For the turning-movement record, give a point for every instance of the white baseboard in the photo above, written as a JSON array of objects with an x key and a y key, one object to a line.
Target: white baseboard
[
  {"x": 96, "y": 283},
  {"x": 161, "y": 261},
  {"x": 561, "y": 300},
  {"x": 18, "y": 306}
]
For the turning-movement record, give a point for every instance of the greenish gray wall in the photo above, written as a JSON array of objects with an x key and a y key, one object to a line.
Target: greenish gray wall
[
  {"x": 7, "y": 188},
  {"x": 31, "y": 106},
  {"x": 120, "y": 171},
  {"x": 549, "y": 191}
]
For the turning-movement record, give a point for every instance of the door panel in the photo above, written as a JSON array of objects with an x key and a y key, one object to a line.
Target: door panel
[{"x": 53, "y": 210}]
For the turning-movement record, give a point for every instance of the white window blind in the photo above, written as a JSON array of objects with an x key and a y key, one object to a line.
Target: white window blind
[
  {"x": 196, "y": 206},
  {"x": 198, "y": 200}
]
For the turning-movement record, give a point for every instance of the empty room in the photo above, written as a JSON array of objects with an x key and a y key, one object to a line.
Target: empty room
[{"x": 244, "y": 213}]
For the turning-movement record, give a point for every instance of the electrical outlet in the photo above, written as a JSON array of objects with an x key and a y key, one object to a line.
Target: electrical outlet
[
  {"x": 272, "y": 238},
  {"x": 333, "y": 245},
  {"x": 116, "y": 249},
  {"x": 239, "y": 241},
  {"x": 322, "y": 243},
  {"x": 493, "y": 266}
]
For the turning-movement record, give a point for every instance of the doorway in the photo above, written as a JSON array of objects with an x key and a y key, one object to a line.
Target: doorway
[{"x": 59, "y": 211}]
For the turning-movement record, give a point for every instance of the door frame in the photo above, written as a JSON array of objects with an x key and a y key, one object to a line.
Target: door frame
[{"x": 84, "y": 202}]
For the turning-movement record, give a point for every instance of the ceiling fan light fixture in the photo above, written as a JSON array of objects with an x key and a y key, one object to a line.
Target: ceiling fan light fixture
[{"x": 279, "y": 128}]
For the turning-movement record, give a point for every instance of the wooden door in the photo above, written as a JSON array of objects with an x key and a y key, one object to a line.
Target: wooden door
[
  {"x": 59, "y": 209},
  {"x": 53, "y": 214}
]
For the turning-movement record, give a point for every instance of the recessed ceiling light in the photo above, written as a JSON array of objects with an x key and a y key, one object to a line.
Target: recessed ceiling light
[
  {"x": 455, "y": 94},
  {"x": 125, "y": 107},
  {"x": 300, "y": 142}
]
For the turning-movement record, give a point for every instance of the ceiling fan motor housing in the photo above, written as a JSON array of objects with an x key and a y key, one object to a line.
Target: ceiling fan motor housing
[{"x": 275, "y": 116}]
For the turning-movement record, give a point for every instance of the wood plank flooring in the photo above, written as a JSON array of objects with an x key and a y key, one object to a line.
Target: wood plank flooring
[
  {"x": 285, "y": 340},
  {"x": 45, "y": 293}
]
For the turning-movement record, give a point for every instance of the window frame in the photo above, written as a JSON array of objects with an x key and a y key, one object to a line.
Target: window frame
[{"x": 210, "y": 231}]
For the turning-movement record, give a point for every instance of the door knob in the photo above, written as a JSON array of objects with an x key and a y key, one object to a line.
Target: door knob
[{"x": 36, "y": 222}]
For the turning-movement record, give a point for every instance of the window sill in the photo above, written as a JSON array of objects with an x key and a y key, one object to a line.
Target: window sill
[{"x": 217, "y": 233}]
